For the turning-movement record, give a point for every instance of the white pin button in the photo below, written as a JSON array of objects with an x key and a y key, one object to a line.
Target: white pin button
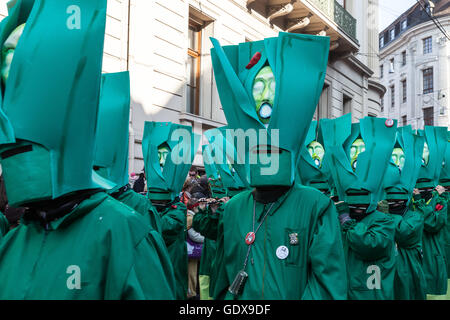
[{"x": 282, "y": 252}]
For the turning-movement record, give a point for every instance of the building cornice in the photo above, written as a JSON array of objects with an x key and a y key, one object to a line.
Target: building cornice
[
  {"x": 360, "y": 66},
  {"x": 377, "y": 86}
]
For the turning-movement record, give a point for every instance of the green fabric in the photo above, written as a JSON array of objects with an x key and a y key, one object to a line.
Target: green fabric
[
  {"x": 444, "y": 179},
  {"x": 118, "y": 257},
  {"x": 299, "y": 64},
  {"x": 4, "y": 225},
  {"x": 315, "y": 266},
  {"x": 370, "y": 243},
  {"x": 339, "y": 134},
  {"x": 436, "y": 139},
  {"x": 111, "y": 139},
  {"x": 434, "y": 264},
  {"x": 174, "y": 232},
  {"x": 215, "y": 183},
  {"x": 54, "y": 84},
  {"x": 183, "y": 145},
  {"x": 143, "y": 206},
  {"x": 446, "y": 238},
  {"x": 409, "y": 281},
  {"x": 399, "y": 184},
  {"x": 308, "y": 173}
]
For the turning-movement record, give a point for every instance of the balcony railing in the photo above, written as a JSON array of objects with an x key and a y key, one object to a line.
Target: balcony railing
[{"x": 338, "y": 14}]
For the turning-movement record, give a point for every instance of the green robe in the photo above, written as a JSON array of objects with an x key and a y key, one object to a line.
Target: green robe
[
  {"x": 174, "y": 232},
  {"x": 206, "y": 223},
  {"x": 370, "y": 249},
  {"x": 434, "y": 264},
  {"x": 409, "y": 281},
  {"x": 4, "y": 225},
  {"x": 100, "y": 250},
  {"x": 446, "y": 238},
  {"x": 142, "y": 205},
  {"x": 315, "y": 265}
]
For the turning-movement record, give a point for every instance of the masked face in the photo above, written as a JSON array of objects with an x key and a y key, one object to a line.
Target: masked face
[
  {"x": 8, "y": 50},
  {"x": 163, "y": 151},
  {"x": 264, "y": 94},
  {"x": 357, "y": 147},
  {"x": 317, "y": 152},
  {"x": 398, "y": 157},
  {"x": 425, "y": 155}
]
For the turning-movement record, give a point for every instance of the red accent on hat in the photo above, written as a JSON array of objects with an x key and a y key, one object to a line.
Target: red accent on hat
[
  {"x": 254, "y": 60},
  {"x": 174, "y": 206}
]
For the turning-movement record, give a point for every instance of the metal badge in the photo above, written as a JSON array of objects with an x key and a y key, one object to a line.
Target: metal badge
[{"x": 293, "y": 238}]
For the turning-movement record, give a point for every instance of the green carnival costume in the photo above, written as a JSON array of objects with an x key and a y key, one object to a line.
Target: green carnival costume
[
  {"x": 169, "y": 150},
  {"x": 111, "y": 145},
  {"x": 399, "y": 182},
  {"x": 297, "y": 250},
  {"x": 357, "y": 156},
  {"x": 74, "y": 241},
  {"x": 4, "y": 225},
  {"x": 434, "y": 209}
]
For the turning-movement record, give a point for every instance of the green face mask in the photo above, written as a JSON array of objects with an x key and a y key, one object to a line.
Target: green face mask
[
  {"x": 317, "y": 152},
  {"x": 264, "y": 94},
  {"x": 426, "y": 155},
  {"x": 398, "y": 157},
  {"x": 163, "y": 151},
  {"x": 8, "y": 49},
  {"x": 357, "y": 147}
]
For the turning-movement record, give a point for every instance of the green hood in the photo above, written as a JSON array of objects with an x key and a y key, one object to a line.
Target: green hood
[
  {"x": 212, "y": 173},
  {"x": 436, "y": 139},
  {"x": 50, "y": 100},
  {"x": 166, "y": 184},
  {"x": 299, "y": 64},
  {"x": 308, "y": 172},
  {"x": 365, "y": 184},
  {"x": 444, "y": 179},
  {"x": 112, "y": 137},
  {"x": 399, "y": 184}
]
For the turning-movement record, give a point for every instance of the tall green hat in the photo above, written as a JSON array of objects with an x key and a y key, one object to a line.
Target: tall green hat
[
  {"x": 444, "y": 179},
  {"x": 112, "y": 137},
  {"x": 359, "y": 180},
  {"x": 181, "y": 144},
  {"x": 403, "y": 168},
  {"x": 278, "y": 127},
  {"x": 212, "y": 173},
  {"x": 50, "y": 98},
  {"x": 311, "y": 167},
  {"x": 434, "y": 153}
]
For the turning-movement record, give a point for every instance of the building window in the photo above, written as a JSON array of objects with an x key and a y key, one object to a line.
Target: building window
[
  {"x": 392, "y": 65},
  {"x": 194, "y": 65},
  {"x": 381, "y": 41},
  {"x": 403, "y": 25},
  {"x": 391, "y": 34},
  {"x": 404, "y": 121},
  {"x": 382, "y": 104},
  {"x": 428, "y": 116},
  {"x": 381, "y": 71},
  {"x": 403, "y": 58},
  {"x": 427, "y": 80},
  {"x": 427, "y": 45},
  {"x": 404, "y": 93},
  {"x": 347, "y": 104},
  {"x": 392, "y": 97}
]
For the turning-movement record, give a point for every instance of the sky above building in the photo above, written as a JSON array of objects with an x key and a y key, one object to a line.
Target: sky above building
[{"x": 389, "y": 10}]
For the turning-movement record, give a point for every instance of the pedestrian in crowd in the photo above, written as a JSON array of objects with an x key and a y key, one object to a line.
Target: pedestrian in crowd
[
  {"x": 139, "y": 184},
  {"x": 195, "y": 245}
]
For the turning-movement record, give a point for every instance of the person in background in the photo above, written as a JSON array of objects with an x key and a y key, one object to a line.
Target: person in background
[
  {"x": 195, "y": 244},
  {"x": 139, "y": 184}
]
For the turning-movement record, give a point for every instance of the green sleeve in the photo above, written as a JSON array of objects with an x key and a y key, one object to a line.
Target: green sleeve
[
  {"x": 220, "y": 286},
  {"x": 409, "y": 228},
  {"x": 373, "y": 241},
  {"x": 434, "y": 220},
  {"x": 151, "y": 277},
  {"x": 207, "y": 222},
  {"x": 327, "y": 277},
  {"x": 173, "y": 222},
  {"x": 4, "y": 225}
]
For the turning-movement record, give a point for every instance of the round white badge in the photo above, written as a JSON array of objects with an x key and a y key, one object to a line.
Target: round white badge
[{"x": 282, "y": 252}]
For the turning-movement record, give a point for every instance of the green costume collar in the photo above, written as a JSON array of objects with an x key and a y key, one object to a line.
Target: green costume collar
[
  {"x": 299, "y": 64},
  {"x": 53, "y": 83},
  {"x": 183, "y": 144}
]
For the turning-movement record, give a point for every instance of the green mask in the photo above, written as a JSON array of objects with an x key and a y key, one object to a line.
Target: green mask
[
  {"x": 172, "y": 147},
  {"x": 444, "y": 179},
  {"x": 9, "y": 46},
  {"x": 112, "y": 137},
  {"x": 264, "y": 94},
  {"x": 433, "y": 156},
  {"x": 49, "y": 104},
  {"x": 268, "y": 85},
  {"x": 316, "y": 151},
  {"x": 398, "y": 157},
  {"x": 357, "y": 147}
]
